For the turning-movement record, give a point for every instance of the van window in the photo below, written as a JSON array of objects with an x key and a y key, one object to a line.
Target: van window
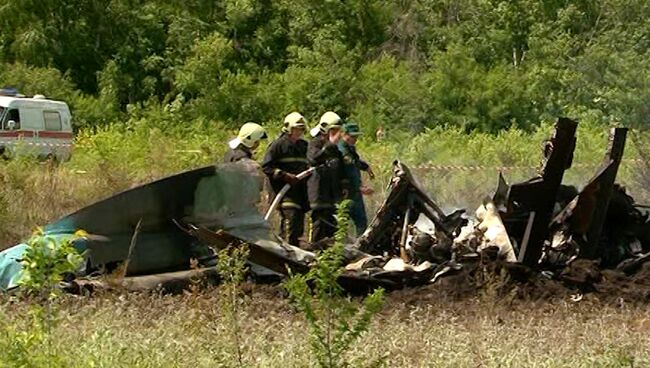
[
  {"x": 12, "y": 114},
  {"x": 52, "y": 120}
]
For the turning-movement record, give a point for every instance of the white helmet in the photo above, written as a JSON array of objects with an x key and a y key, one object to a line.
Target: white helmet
[
  {"x": 249, "y": 134},
  {"x": 293, "y": 120},
  {"x": 329, "y": 120}
]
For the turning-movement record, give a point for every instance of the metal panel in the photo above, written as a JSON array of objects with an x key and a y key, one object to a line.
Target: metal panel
[
  {"x": 538, "y": 194},
  {"x": 586, "y": 214}
]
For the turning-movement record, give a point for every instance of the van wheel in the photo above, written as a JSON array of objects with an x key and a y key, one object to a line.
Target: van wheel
[
  {"x": 5, "y": 154},
  {"x": 51, "y": 160}
]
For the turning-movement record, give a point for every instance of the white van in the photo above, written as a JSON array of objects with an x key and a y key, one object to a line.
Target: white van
[{"x": 35, "y": 125}]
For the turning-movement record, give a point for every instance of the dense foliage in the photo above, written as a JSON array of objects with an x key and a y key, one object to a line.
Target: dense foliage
[{"x": 476, "y": 64}]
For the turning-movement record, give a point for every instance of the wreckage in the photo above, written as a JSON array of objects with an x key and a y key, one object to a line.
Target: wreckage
[{"x": 162, "y": 229}]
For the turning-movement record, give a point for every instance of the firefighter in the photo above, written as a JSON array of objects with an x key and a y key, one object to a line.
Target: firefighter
[
  {"x": 285, "y": 158},
  {"x": 353, "y": 165},
  {"x": 244, "y": 145},
  {"x": 327, "y": 185}
]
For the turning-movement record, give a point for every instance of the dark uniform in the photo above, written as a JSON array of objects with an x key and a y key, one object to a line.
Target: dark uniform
[
  {"x": 353, "y": 165},
  {"x": 284, "y": 156},
  {"x": 325, "y": 186},
  {"x": 239, "y": 153}
]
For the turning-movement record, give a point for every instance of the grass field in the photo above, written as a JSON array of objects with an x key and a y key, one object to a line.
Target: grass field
[
  {"x": 134, "y": 330},
  {"x": 417, "y": 328}
]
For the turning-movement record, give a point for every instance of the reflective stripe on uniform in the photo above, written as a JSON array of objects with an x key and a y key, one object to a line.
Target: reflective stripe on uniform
[
  {"x": 293, "y": 159},
  {"x": 317, "y": 205},
  {"x": 285, "y": 229},
  {"x": 289, "y": 204}
]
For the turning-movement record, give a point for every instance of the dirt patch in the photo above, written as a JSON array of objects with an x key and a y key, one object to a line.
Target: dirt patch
[
  {"x": 514, "y": 284},
  {"x": 617, "y": 287}
]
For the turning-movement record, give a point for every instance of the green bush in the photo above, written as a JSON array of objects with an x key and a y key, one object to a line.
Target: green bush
[
  {"x": 45, "y": 263},
  {"x": 484, "y": 66},
  {"x": 30, "y": 80},
  {"x": 388, "y": 94}
]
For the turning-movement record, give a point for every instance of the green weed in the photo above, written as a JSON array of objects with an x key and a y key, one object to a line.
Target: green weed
[
  {"x": 335, "y": 322},
  {"x": 45, "y": 263},
  {"x": 232, "y": 268}
]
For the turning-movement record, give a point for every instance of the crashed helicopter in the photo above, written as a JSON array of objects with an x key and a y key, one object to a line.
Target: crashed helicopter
[{"x": 161, "y": 229}]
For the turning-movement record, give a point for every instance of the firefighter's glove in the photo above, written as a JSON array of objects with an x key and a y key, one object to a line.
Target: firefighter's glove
[{"x": 291, "y": 179}]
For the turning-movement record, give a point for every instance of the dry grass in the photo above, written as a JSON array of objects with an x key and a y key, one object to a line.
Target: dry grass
[
  {"x": 33, "y": 194},
  {"x": 139, "y": 330}
]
